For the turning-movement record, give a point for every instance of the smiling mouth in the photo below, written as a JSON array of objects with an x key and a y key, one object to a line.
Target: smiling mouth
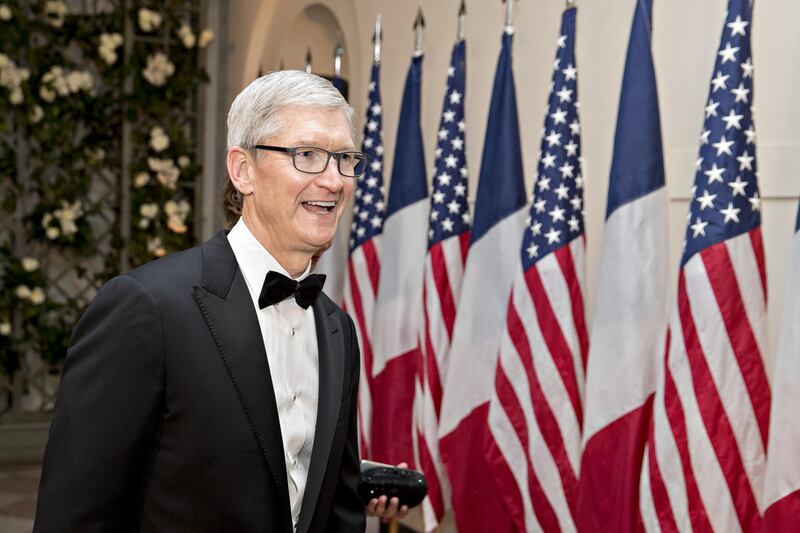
[{"x": 320, "y": 206}]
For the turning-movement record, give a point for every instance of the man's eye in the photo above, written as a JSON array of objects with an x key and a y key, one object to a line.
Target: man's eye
[
  {"x": 306, "y": 153},
  {"x": 347, "y": 158}
]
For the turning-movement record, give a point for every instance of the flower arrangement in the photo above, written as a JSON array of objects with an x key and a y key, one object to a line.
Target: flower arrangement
[{"x": 71, "y": 84}]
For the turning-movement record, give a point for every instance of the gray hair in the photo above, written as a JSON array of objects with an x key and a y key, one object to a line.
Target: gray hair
[{"x": 254, "y": 113}]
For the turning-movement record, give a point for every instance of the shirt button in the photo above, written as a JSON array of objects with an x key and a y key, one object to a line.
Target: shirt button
[
  {"x": 294, "y": 397},
  {"x": 291, "y": 332}
]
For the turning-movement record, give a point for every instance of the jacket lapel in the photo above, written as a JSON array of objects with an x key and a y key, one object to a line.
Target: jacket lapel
[
  {"x": 330, "y": 346},
  {"x": 228, "y": 309}
]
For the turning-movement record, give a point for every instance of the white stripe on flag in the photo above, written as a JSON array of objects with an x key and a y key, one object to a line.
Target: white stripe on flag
[
  {"x": 783, "y": 464},
  {"x": 399, "y": 309},
  {"x": 630, "y": 320},
  {"x": 704, "y": 464},
  {"x": 481, "y": 319},
  {"x": 725, "y": 370}
]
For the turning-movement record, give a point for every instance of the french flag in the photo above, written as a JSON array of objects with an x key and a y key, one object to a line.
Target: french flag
[
  {"x": 499, "y": 222},
  {"x": 398, "y": 312},
  {"x": 630, "y": 321}
]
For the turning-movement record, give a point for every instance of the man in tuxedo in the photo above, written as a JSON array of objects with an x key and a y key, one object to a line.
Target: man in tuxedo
[{"x": 215, "y": 389}]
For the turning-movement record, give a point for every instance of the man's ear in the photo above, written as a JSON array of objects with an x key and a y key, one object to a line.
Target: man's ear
[{"x": 239, "y": 169}]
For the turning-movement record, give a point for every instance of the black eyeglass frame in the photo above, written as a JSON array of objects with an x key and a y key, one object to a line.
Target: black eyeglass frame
[{"x": 335, "y": 155}]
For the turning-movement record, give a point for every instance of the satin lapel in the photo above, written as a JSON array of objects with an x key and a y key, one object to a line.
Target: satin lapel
[
  {"x": 330, "y": 345},
  {"x": 228, "y": 309}
]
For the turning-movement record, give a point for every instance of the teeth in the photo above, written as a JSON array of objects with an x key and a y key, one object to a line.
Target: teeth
[{"x": 322, "y": 204}]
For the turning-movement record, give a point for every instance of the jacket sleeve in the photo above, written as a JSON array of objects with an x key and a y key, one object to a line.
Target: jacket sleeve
[
  {"x": 348, "y": 512},
  {"x": 105, "y": 416}
]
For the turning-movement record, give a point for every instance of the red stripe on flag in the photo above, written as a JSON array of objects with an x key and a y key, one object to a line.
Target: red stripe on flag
[
  {"x": 784, "y": 514},
  {"x": 477, "y": 504},
  {"x": 565, "y": 260},
  {"x": 713, "y": 413},
  {"x": 463, "y": 240},
  {"x": 431, "y": 476},
  {"x": 373, "y": 263},
  {"x": 554, "y": 338},
  {"x": 666, "y": 520},
  {"x": 366, "y": 349},
  {"x": 722, "y": 277},
  {"x": 548, "y": 425},
  {"x": 608, "y": 496},
  {"x": 756, "y": 242},
  {"x": 508, "y": 487},
  {"x": 677, "y": 421},
  {"x": 432, "y": 378},
  {"x": 443, "y": 289}
]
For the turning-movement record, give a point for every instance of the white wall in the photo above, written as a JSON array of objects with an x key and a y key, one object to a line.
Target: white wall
[{"x": 686, "y": 35}]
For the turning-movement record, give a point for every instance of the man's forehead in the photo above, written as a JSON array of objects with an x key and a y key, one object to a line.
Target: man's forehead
[{"x": 315, "y": 126}]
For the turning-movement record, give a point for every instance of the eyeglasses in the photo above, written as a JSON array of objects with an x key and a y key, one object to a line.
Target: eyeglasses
[{"x": 313, "y": 160}]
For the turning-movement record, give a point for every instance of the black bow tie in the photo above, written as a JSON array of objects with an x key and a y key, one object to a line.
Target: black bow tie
[{"x": 278, "y": 287}]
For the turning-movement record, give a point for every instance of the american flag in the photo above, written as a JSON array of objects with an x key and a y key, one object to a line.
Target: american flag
[
  {"x": 630, "y": 319},
  {"x": 498, "y": 222},
  {"x": 398, "y": 312},
  {"x": 782, "y": 485},
  {"x": 536, "y": 411},
  {"x": 363, "y": 265},
  {"x": 705, "y": 461},
  {"x": 448, "y": 242}
]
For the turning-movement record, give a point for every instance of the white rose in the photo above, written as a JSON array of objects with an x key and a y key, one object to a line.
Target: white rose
[
  {"x": 55, "y": 11},
  {"x": 29, "y": 264},
  {"x": 47, "y": 94},
  {"x": 144, "y": 223},
  {"x": 169, "y": 177},
  {"x": 158, "y": 69},
  {"x": 159, "y": 141},
  {"x": 37, "y": 114},
  {"x": 22, "y": 292},
  {"x": 155, "y": 247},
  {"x": 68, "y": 227},
  {"x": 5, "y": 12},
  {"x": 206, "y": 36},
  {"x": 46, "y": 218},
  {"x": 108, "y": 55},
  {"x": 141, "y": 179},
  {"x": 184, "y": 161},
  {"x": 149, "y": 210},
  {"x": 148, "y": 20},
  {"x": 186, "y": 35},
  {"x": 16, "y": 96},
  {"x": 176, "y": 225},
  {"x": 5, "y": 329},
  {"x": 78, "y": 80},
  {"x": 37, "y": 296},
  {"x": 52, "y": 233}
]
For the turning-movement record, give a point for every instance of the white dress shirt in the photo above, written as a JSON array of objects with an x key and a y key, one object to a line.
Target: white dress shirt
[{"x": 290, "y": 339}]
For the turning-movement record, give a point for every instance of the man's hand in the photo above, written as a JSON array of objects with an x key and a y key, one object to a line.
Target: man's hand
[{"x": 377, "y": 506}]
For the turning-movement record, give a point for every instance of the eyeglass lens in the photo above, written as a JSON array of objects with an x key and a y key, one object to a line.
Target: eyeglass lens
[{"x": 314, "y": 160}]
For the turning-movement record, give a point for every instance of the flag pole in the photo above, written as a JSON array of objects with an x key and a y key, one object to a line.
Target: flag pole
[
  {"x": 509, "y": 16},
  {"x": 419, "y": 25},
  {"x": 462, "y": 17},
  {"x": 377, "y": 38},
  {"x": 308, "y": 59},
  {"x": 338, "y": 52}
]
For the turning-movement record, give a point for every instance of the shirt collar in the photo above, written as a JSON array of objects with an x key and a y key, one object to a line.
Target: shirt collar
[{"x": 254, "y": 260}]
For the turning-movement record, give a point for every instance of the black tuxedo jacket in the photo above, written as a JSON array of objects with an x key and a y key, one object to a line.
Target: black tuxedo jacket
[{"x": 166, "y": 417}]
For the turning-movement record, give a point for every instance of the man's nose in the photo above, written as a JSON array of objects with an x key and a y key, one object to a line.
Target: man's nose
[{"x": 330, "y": 178}]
